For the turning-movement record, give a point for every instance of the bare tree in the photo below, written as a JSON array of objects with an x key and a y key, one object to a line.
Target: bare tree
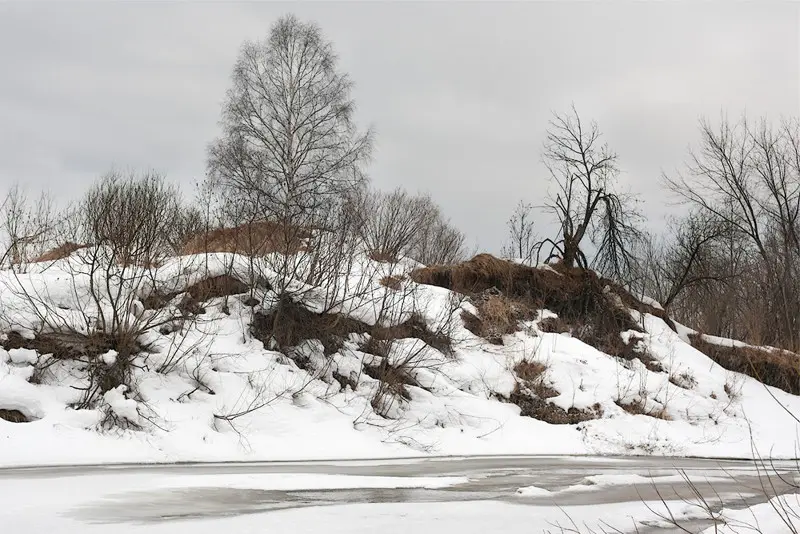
[
  {"x": 522, "y": 239},
  {"x": 393, "y": 221},
  {"x": 398, "y": 224},
  {"x": 29, "y": 227},
  {"x": 439, "y": 243},
  {"x": 748, "y": 177},
  {"x": 290, "y": 153},
  {"x": 683, "y": 261},
  {"x": 587, "y": 202}
]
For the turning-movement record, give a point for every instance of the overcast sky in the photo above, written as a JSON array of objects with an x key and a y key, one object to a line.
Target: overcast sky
[{"x": 459, "y": 94}]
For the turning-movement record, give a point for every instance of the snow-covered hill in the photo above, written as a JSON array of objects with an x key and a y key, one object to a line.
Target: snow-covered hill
[{"x": 210, "y": 390}]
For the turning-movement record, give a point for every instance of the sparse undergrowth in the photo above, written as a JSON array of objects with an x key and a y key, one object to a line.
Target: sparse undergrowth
[
  {"x": 291, "y": 323},
  {"x": 497, "y": 316},
  {"x": 539, "y": 408},
  {"x": 638, "y": 407},
  {"x": 531, "y": 394},
  {"x": 685, "y": 380},
  {"x": 774, "y": 367}
]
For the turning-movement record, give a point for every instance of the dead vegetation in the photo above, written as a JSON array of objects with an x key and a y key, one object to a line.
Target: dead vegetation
[
  {"x": 594, "y": 308},
  {"x": 393, "y": 382},
  {"x": 774, "y": 367},
  {"x": 291, "y": 323},
  {"x": 382, "y": 257},
  {"x": 554, "y": 325},
  {"x": 253, "y": 239},
  {"x": 13, "y": 416},
  {"x": 393, "y": 379},
  {"x": 392, "y": 282},
  {"x": 531, "y": 394},
  {"x": 685, "y": 380},
  {"x": 639, "y": 407},
  {"x": 102, "y": 374},
  {"x": 217, "y": 286},
  {"x": 66, "y": 345},
  {"x": 497, "y": 316},
  {"x": 539, "y": 408},
  {"x": 59, "y": 253},
  {"x": 214, "y": 287}
]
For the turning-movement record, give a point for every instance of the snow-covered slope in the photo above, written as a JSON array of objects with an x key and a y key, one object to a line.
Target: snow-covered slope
[{"x": 225, "y": 396}]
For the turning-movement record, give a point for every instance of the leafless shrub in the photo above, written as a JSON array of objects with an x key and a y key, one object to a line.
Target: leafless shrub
[
  {"x": 29, "y": 227},
  {"x": 125, "y": 222},
  {"x": 522, "y": 241},
  {"x": 398, "y": 224}
]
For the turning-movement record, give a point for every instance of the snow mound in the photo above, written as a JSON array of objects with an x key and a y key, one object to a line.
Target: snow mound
[{"x": 213, "y": 388}]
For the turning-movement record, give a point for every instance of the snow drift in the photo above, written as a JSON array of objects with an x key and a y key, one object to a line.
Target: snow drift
[{"x": 411, "y": 368}]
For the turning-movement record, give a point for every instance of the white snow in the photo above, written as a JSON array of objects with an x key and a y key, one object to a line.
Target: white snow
[
  {"x": 120, "y": 405},
  {"x": 109, "y": 358},
  {"x": 781, "y": 515},
  {"x": 23, "y": 356},
  {"x": 533, "y": 491},
  {"x": 228, "y": 397}
]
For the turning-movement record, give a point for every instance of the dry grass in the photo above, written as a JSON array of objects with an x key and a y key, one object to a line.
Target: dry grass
[
  {"x": 291, "y": 323},
  {"x": 392, "y": 282},
  {"x": 554, "y": 325},
  {"x": 580, "y": 298},
  {"x": 59, "y": 252},
  {"x": 382, "y": 257},
  {"x": 685, "y": 380},
  {"x": 416, "y": 328},
  {"x": 530, "y": 371},
  {"x": 393, "y": 378},
  {"x": 497, "y": 316},
  {"x": 538, "y": 408},
  {"x": 253, "y": 239},
  {"x": 196, "y": 294},
  {"x": 217, "y": 286},
  {"x": 531, "y": 394},
  {"x": 393, "y": 382},
  {"x": 778, "y": 368},
  {"x": 13, "y": 416},
  {"x": 67, "y": 345},
  {"x": 638, "y": 407}
]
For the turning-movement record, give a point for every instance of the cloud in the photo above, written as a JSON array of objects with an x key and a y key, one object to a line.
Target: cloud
[{"x": 459, "y": 93}]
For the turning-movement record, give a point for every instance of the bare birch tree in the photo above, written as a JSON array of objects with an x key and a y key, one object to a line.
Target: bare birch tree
[{"x": 290, "y": 152}]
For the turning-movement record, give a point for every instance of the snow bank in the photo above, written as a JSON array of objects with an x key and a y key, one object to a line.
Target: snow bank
[{"x": 228, "y": 397}]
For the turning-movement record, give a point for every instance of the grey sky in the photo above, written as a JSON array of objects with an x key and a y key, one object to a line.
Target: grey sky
[{"x": 459, "y": 93}]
